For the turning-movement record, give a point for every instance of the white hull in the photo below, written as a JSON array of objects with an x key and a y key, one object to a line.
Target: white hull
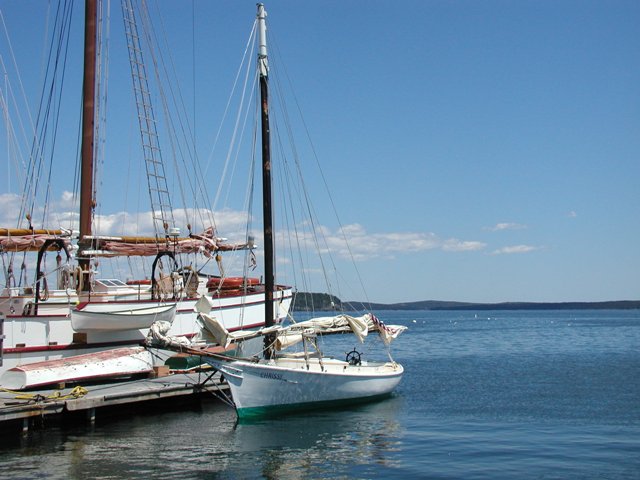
[
  {"x": 94, "y": 366},
  {"x": 286, "y": 384},
  {"x": 91, "y": 319},
  {"x": 48, "y": 337}
]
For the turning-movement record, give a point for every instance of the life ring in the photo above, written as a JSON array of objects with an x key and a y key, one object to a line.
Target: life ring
[{"x": 231, "y": 283}]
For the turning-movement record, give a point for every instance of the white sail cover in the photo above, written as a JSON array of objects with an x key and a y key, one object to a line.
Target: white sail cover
[
  {"x": 340, "y": 323},
  {"x": 360, "y": 326},
  {"x": 224, "y": 337},
  {"x": 292, "y": 334},
  {"x": 220, "y": 334},
  {"x": 287, "y": 339}
]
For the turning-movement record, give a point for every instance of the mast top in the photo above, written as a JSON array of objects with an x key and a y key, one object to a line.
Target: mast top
[{"x": 262, "y": 41}]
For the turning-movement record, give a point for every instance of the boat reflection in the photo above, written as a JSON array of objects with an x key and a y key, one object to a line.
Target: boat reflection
[
  {"x": 296, "y": 446},
  {"x": 207, "y": 439}
]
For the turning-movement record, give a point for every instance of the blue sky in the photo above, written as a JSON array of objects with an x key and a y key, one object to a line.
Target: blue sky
[{"x": 476, "y": 151}]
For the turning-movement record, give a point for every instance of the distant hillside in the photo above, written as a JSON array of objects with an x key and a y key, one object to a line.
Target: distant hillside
[
  {"x": 321, "y": 301},
  {"x": 307, "y": 301}
]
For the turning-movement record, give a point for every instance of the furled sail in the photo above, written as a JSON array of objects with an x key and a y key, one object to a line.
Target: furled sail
[
  {"x": 292, "y": 334},
  {"x": 206, "y": 243},
  {"x": 26, "y": 240}
]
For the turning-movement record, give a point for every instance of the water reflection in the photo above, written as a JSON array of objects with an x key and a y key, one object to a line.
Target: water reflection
[
  {"x": 300, "y": 446},
  {"x": 520, "y": 394},
  {"x": 209, "y": 442}
]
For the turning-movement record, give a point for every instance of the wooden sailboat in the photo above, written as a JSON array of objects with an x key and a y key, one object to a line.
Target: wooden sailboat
[
  {"x": 280, "y": 382},
  {"x": 38, "y": 320}
]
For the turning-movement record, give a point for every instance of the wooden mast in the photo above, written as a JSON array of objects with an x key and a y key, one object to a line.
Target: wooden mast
[
  {"x": 267, "y": 213},
  {"x": 88, "y": 131}
]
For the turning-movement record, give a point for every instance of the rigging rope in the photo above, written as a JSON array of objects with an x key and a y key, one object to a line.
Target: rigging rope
[
  {"x": 316, "y": 231},
  {"x": 162, "y": 211},
  {"x": 102, "y": 95},
  {"x": 48, "y": 110},
  {"x": 15, "y": 103},
  {"x": 248, "y": 47},
  {"x": 159, "y": 64}
]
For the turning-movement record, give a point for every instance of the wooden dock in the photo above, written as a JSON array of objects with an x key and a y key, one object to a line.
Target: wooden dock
[{"x": 24, "y": 407}]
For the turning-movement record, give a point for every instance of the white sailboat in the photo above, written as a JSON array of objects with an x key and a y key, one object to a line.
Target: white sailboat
[
  {"x": 287, "y": 382},
  {"x": 277, "y": 381},
  {"x": 46, "y": 320},
  {"x": 284, "y": 385}
]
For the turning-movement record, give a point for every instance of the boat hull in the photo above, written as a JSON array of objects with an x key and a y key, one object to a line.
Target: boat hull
[
  {"x": 37, "y": 338},
  {"x": 89, "y": 367},
  {"x": 285, "y": 385},
  {"x": 133, "y": 318}
]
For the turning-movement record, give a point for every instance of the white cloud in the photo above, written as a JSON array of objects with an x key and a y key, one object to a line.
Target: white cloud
[
  {"x": 454, "y": 245},
  {"x": 63, "y": 213},
  {"x": 351, "y": 240},
  {"x": 9, "y": 208},
  {"x": 354, "y": 229},
  {"x": 515, "y": 249},
  {"x": 354, "y": 240},
  {"x": 506, "y": 226},
  {"x": 67, "y": 200},
  {"x": 229, "y": 224},
  {"x": 572, "y": 214},
  {"x": 58, "y": 212},
  {"x": 124, "y": 223}
]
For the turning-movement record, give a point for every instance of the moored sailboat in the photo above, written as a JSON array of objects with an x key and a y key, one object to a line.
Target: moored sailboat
[
  {"x": 288, "y": 382},
  {"x": 277, "y": 381},
  {"x": 39, "y": 318}
]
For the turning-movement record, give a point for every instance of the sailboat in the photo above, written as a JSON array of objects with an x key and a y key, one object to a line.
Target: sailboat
[
  {"x": 277, "y": 381},
  {"x": 91, "y": 314}
]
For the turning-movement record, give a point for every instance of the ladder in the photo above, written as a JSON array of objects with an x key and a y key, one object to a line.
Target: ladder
[{"x": 161, "y": 208}]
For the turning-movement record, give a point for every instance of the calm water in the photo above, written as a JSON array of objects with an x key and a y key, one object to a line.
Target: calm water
[{"x": 553, "y": 394}]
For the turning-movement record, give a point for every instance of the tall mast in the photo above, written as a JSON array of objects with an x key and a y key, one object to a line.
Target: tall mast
[
  {"x": 88, "y": 131},
  {"x": 267, "y": 213}
]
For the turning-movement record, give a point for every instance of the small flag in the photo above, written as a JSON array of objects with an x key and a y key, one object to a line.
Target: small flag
[{"x": 387, "y": 332}]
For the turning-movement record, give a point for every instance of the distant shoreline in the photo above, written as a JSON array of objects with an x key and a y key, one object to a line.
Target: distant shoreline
[
  {"x": 321, "y": 301},
  {"x": 436, "y": 305}
]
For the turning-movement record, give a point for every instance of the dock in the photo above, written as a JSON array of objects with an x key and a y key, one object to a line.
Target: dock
[{"x": 25, "y": 407}]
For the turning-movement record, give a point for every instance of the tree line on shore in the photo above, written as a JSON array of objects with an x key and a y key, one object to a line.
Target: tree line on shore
[{"x": 309, "y": 301}]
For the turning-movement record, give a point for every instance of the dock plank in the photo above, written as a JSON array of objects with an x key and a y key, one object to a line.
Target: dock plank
[{"x": 16, "y": 405}]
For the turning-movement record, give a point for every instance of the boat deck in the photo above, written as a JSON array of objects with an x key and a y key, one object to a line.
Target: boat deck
[{"x": 26, "y": 407}]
